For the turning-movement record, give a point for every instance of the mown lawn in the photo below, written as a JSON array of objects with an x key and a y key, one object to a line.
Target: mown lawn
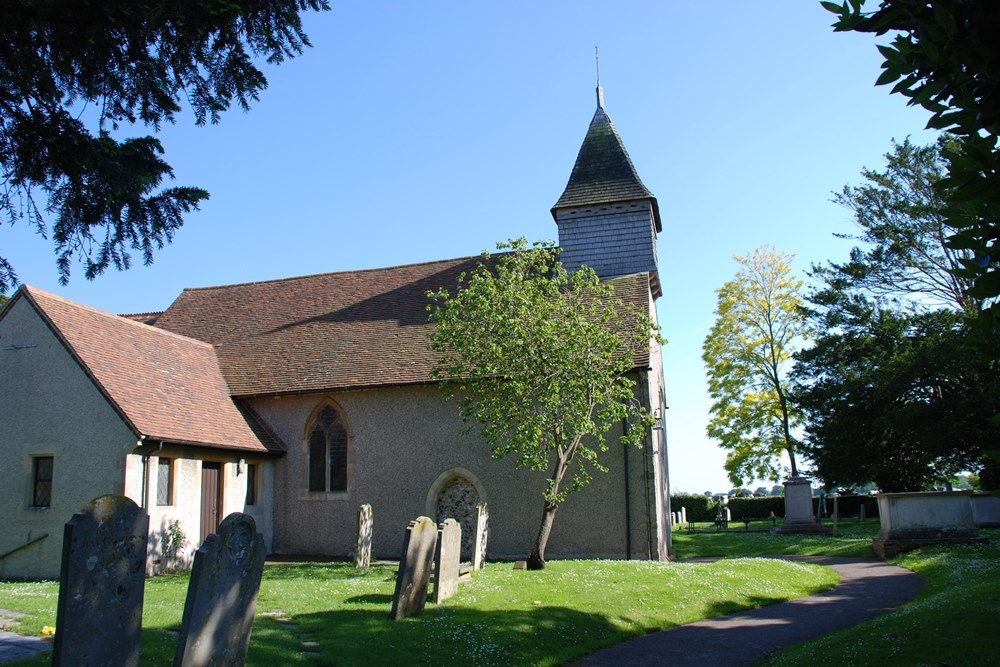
[
  {"x": 954, "y": 622},
  {"x": 502, "y": 617},
  {"x": 854, "y": 540}
]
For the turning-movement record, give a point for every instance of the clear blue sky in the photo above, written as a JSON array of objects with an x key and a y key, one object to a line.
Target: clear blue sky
[{"x": 421, "y": 131}]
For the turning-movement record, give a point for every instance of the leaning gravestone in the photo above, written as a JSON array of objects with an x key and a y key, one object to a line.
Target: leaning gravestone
[
  {"x": 414, "y": 572},
  {"x": 363, "y": 552},
  {"x": 222, "y": 596},
  {"x": 482, "y": 536},
  {"x": 101, "y": 582},
  {"x": 447, "y": 559}
]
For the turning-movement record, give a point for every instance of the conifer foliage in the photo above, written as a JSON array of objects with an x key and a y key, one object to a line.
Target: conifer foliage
[{"x": 75, "y": 74}]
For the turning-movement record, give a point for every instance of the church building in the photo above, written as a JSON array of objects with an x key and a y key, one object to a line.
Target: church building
[{"x": 298, "y": 400}]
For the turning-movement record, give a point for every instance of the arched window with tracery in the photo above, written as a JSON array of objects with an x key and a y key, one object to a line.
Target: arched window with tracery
[{"x": 328, "y": 451}]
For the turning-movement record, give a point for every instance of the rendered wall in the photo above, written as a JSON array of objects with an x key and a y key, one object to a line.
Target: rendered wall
[
  {"x": 49, "y": 406},
  {"x": 186, "y": 501},
  {"x": 403, "y": 441}
]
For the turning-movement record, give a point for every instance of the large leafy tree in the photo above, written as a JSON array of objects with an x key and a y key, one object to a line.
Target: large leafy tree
[
  {"x": 748, "y": 353},
  {"x": 74, "y": 74},
  {"x": 945, "y": 57},
  {"x": 896, "y": 397},
  {"x": 539, "y": 358}
]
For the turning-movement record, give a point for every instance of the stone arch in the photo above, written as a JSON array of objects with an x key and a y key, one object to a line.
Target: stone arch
[{"x": 455, "y": 494}]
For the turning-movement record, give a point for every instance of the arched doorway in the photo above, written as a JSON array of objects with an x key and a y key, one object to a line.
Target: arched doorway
[{"x": 455, "y": 495}]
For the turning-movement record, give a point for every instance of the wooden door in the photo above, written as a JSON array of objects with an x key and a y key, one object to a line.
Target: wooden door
[{"x": 211, "y": 498}]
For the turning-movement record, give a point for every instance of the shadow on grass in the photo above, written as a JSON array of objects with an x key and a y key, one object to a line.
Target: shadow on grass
[
  {"x": 371, "y": 598},
  {"x": 446, "y": 635}
]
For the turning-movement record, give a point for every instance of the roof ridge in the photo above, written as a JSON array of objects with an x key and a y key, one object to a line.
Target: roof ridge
[
  {"x": 330, "y": 273},
  {"x": 35, "y": 292}
]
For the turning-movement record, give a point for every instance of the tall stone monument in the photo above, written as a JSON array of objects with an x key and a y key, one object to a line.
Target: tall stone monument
[
  {"x": 222, "y": 596},
  {"x": 101, "y": 584},
  {"x": 798, "y": 509}
]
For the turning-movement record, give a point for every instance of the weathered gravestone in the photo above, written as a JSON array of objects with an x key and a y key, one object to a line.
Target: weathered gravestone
[
  {"x": 222, "y": 596},
  {"x": 363, "y": 552},
  {"x": 414, "y": 572},
  {"x": 482, "y": 536},
  {"x": 447, "y": 558},
  {"x": 101, "y": 582}
]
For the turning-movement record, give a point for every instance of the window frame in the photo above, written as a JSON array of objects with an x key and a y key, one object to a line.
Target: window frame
[
  {"x": 253, "y": 477},
  {"x": 328, "y": 452},
  {"x": 169, "y": 495},
  {"x": 36, "y": 480}
]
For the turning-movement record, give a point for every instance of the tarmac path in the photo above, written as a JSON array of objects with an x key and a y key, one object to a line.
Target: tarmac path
[{"x": 867, "y": 588}]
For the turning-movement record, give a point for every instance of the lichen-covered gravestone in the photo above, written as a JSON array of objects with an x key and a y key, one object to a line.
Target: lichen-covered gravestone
[
  {"x": 447, "y": 559},
  {"x": 222, "y": 596},
  {"x": 482, "y": 536},
  {"x": 363, "y": 552},
  {"x": 414, "y": 572},
  {"x": 101, "y": 583}
]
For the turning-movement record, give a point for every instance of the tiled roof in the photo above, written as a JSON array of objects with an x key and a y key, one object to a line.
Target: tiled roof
[
  {"x": 603, "y": 172},
  {"x": 166, "y": 386},
  {"x": 333, "y": 331},
  {"x": 145, "y": 318}
]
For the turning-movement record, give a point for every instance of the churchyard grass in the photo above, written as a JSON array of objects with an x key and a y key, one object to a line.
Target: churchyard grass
[
  {"x": 953, "y": 622},
  {"x": 502, "y": 616},
  {"x": 854, "y": 539}
]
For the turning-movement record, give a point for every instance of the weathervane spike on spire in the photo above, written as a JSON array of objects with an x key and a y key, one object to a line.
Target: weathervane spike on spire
[{"x": 600, "y": 91}]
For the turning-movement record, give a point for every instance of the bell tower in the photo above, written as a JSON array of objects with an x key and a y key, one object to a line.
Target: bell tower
[{"x": 607, "y": 219}]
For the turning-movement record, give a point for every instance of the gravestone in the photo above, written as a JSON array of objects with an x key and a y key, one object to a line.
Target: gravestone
[
  {"x": 101, "y": 584},
  {"x": 729, "y": 515},
  {"x": 363, "y": 552},
  {"x": 414, "y": 572},
  {"x": 482, "y": 536},
  {"x": 222, "y": 595},
  {"x": 684, "y": 515},
  {"x": 447, "y": 557}
]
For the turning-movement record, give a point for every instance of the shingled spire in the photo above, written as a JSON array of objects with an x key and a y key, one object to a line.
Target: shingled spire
[{"x": 607, "y": 218}]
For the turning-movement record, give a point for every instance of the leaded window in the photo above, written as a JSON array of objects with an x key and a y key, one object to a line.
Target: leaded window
[
  {"x": 164, "y": 481},
  {"x": 42, "y": 481},
  {"x": 328, "y": 452}
]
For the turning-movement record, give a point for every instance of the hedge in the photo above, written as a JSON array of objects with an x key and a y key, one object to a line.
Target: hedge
[
  {"x": 756, "y": 508},
  {"x": 699, "y": 508}
]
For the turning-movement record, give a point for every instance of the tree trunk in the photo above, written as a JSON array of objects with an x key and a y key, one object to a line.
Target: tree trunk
[
  {"x": 789, "y": 446},
  {"x": 536, "y": 561}
]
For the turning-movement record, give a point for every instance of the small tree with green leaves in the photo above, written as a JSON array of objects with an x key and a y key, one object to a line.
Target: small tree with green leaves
[
  {"x": 747, "y": 354},
  {"x": 539, "y": 357}
]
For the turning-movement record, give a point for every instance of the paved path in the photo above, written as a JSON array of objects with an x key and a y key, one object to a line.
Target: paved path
[
  {"x": 17, "y": 647},
  {"x": 867, "y": 588}
]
